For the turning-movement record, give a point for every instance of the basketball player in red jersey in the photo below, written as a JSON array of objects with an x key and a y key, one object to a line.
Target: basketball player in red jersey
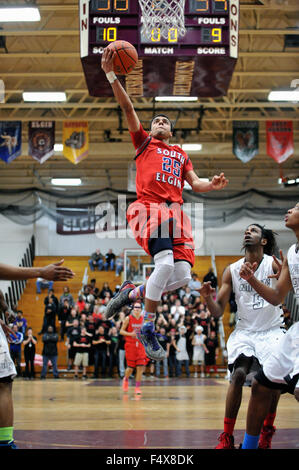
[
  {"x": 135, "y": 352},
  {"x": 156, "y": 219}
]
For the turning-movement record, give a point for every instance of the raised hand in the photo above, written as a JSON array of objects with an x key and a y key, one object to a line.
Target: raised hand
[
  {"x": 247, "y": 270},
  {"x": 278, "y": 264},
  {"x": 56, "y": 272},
  {"x": 206, "y": 289},
  {"x": 219, "y": 182},
  {"x": 107, "y": 60}
]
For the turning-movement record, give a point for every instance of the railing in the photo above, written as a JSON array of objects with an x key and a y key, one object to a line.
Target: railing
[{"x": 16, "y": 289}]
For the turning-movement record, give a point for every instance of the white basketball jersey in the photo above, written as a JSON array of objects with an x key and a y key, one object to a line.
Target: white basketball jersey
[
  {"x": 255, "y": 313},
  {"x": 293, "y": 262}
]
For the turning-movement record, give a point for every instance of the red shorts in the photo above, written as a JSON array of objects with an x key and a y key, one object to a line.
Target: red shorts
[
  {"x": 150, "y": 222},
  {"x": 135, "y": 354}
]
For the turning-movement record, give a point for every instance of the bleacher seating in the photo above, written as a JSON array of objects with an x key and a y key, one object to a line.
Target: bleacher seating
[{"x": 32, "y": 304}]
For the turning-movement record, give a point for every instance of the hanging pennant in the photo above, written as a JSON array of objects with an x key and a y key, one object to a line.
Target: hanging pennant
[
  {"x": 41, "y": 139},
  {"x": 280, "y": 142},
  {"x": 10, "y": 140},
  {"x": 75, "y": 140},
  {"x": 245, "y": 140}
]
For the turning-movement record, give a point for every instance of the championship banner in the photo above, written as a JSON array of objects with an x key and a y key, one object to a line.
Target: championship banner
[
  {"x": 75, "y": 140},
  {"x": 41, "y": 139},
  {"x": 245, "y": 140},
  {"x": 280, "y": 142},
  {"x": 10, "y": 140}
]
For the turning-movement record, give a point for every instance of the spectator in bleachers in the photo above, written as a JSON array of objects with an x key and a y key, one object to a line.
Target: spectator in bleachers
[
  {"x": 194, "y": 284},
  {"x": 50, "y": 352},
  {"x": 119, "y": 264},
  {"x": 109, "y": 260},
  {"x": 91, "y": 324},
  {"x": 87, "y": 296},
  {"x": 29, "y": 344},
  {"x": 177, "y": 309},
  {"x": 73, "y": 316},
  {"x": 211, "y": 354},
  {"x": 96, "y": 260},
  {"x": 211, "y": 277},
  {"x": 82, "y": 344},
  {"x": 15, "y": 347},
  {"x": 73, "y": 332},
  {"x": 67, "y": 295},
  {"x": 112, "y": 350},
  {"x": 80, "y": 304},
  {"x": 199, "y": 349},
  {"x": 100, "y": 342},
  {"x": 21, "y": 322},
  {"x": 204, "y": 319},
  {"x": 172, "y": 361},
  {"x": 49, "y": 317},
  {"x": 165, "y": 342},
  {"x": 106, "y": 291},
  {"x": 181, "y": 352},
  {"x": 54, "y": 298},
  {"x": 63, "y": 314},
  {"x": 43, "y": 284}
]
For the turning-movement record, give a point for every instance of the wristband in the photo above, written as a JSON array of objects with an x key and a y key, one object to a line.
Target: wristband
[{"x": 111, "y": 77}]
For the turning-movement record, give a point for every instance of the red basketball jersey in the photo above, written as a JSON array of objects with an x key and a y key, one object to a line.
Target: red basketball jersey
[
  {"x": 161, "y": 168},
  {"x": 134, "y": 325}
]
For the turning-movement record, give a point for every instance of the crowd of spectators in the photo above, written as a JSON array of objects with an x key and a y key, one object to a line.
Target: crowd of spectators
[{"x": 188, "y": 332}]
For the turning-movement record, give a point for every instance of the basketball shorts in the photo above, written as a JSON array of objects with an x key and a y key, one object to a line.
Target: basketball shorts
[
  {"x": 135, "y": 354},
  {"x": 281, "y": 369},
  {"x": 7, "y": 367},
  {"x": 157, "y": 227},
  {"x": 259, "y": 344}
]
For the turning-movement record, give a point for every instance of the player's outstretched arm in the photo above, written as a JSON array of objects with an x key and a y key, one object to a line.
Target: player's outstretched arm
[
  {"x": 273, "y": 296},
  {"x": 120, "y": 93},
  {"x": 217, "y": 307},
  {"x": 199, "y": 186},
  {"x": 52, "y": 272}
]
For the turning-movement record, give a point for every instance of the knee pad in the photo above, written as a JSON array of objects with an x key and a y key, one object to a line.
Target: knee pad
[
  {"x": 164, "y": 267},
  {"x": 180, "y": 277}
]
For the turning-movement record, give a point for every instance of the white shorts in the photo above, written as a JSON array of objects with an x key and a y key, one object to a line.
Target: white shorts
[
  {"x": 260, "y": 344},
  {"x": 198, "y": 356},
  {"x": 7, "y": 367},
  {"x": 284, "y": 361}
]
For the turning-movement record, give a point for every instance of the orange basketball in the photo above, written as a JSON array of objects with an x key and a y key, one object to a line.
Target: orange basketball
[{"x": 126, "y": 57}]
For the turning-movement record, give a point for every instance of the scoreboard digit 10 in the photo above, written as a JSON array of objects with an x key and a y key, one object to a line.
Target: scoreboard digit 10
[{"x": 200, "y": 63}]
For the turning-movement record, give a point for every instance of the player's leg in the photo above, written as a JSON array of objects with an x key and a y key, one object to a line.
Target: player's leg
[
  {"x": 139, "y": 372},
  {"x": 125, "y": 382},
  {"x": 233, "y": 400},
  {"x": 6, "y": 413}
]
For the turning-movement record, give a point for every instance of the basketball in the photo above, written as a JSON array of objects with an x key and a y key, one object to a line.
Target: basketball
[{"x": 126, "y": 57}]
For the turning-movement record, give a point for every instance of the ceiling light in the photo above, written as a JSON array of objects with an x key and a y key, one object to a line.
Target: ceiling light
[
  {"x": 284, "y": 95},
  {"x": 46, "y": 96},
  {"x": 66, "y": 181},
  {"x": 58, "y": 147},
  {"x": 176, "y": 98},
  {"x": 192, "y": 147},
  {"x": 19, "y": 14}
]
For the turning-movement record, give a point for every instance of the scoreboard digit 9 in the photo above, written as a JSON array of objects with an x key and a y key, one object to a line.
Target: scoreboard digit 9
[{"x": 210, "y": 43}]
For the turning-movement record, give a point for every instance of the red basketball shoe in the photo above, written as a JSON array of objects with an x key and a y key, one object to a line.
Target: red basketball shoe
[
  {"x": 226, "y": 441},
  {"x": 265, "y": 440}
]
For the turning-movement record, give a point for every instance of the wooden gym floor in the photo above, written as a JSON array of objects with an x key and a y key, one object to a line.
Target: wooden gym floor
[{"x": 171, "y": 413}]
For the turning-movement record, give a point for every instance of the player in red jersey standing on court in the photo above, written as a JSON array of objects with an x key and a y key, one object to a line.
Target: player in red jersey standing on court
[
  {"x": 156, "y": 219},
  {"x": 135, "y": 352}
]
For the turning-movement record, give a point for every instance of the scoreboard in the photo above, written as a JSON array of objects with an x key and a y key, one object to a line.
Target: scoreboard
[{"x": 200, "y": 63}]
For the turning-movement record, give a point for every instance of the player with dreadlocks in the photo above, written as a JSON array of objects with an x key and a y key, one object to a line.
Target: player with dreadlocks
[{"x": 258, "y": 330}]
